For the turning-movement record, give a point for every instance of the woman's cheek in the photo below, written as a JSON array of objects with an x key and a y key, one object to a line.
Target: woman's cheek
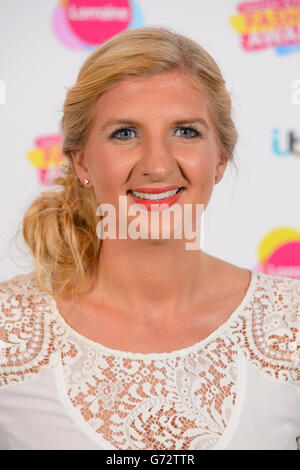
[{"x": 199, "y": 163}]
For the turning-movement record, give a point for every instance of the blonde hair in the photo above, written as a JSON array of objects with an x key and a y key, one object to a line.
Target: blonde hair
[{"x": 60, "y": 226}]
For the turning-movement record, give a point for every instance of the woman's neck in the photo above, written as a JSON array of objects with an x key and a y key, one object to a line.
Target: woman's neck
[{"x": 150, "y": 277}]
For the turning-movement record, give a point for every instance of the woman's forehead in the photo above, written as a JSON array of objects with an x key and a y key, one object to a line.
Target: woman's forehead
[
  {"x": 176, "y": 90},
  {"x": 170, "y": 79}
]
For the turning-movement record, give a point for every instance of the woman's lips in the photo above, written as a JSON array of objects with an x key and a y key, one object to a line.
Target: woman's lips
[{"x": 152, "y": 205}]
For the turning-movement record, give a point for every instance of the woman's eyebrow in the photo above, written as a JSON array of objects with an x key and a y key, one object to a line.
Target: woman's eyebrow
[{"x": 130, "y": 122}]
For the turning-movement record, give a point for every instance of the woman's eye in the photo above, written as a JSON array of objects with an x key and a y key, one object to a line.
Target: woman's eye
[
  {"x": 188, "y": 131},
  {"x": 125, "y": 131}
]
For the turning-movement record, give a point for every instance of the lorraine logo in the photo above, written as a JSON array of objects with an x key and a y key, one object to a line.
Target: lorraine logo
[
  {"x": 279, "y": 253},
  {"x": 47, "y": 158},
  {"x": 85, "y": 24},
  {"x": 269, "y": 23},
  {"x": 286, "y": 146}
]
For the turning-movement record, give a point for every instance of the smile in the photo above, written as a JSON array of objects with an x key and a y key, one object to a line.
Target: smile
[
  {"x": 156, "y": 196},
  {"x": 153, "y": 200}
]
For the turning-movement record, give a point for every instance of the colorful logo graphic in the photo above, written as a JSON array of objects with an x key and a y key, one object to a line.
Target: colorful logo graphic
[
  {"x": 47, "y": 157},
  {"x": 279, "y": 253},
  {"x": 291, "y": 145},
  {"x": 268, "y": 23},
  {"x": 85, "y": 24}
]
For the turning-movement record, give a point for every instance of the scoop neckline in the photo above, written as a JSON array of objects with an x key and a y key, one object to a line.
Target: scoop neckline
[{"x": 155, "y": 355}]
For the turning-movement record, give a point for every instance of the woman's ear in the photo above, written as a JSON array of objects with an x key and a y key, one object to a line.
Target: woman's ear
[
  {"x": 222, "y": 164},
  {"x": 79, "y": 165}
]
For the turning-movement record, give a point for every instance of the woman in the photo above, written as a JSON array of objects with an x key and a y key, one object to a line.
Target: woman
[{"x": 140, "y": 343}]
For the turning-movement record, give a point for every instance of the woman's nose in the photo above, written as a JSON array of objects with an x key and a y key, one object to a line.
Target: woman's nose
[{"x": 157, "y": 159}]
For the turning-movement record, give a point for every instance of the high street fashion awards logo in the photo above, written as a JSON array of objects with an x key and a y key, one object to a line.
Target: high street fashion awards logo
[
  {"x": 267, "y": 24},
  {"x": 47, "y": 158}
]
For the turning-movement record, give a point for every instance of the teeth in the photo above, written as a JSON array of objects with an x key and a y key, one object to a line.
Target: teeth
[{"x": 157, "y": 196}]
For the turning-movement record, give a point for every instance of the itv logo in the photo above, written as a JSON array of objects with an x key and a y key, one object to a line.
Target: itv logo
[{"x": 285, "y": 145}]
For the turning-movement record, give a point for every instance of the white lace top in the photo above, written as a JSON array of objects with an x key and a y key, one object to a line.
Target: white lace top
[{"x": 237, "y": 389}]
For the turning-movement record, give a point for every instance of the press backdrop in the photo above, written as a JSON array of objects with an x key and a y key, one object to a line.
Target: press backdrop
[{"x": 253, "y": 218}]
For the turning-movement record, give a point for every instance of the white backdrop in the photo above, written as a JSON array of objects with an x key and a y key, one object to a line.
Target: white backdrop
[{"x": 36, "y": 67}]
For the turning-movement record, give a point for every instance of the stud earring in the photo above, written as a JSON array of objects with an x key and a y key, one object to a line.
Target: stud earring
[{"x": 86, "y": 181}]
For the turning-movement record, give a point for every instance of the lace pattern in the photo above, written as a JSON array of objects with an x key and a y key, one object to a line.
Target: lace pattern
[
  {"x": 183, "y": 402},
  {"x": 30, "y": 336},
  {"x": 178, "y": 400},
  {"x": 269, "y": 329}
]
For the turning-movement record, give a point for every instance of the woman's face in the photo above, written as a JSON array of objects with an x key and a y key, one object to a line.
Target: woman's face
[{"x": 139, "y": 141}]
